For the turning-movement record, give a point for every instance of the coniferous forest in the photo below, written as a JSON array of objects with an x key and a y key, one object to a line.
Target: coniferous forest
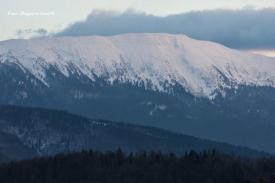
[{"x": 153, "y": 167}]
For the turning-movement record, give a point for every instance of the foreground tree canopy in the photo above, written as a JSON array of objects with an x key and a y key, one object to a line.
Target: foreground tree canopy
[{"x": 154, "y": 167}]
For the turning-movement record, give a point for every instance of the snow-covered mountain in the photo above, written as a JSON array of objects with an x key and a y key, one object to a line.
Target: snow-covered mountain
[
  {"x": 155, "y": 61},
  {"x": 170, "y": 81}
]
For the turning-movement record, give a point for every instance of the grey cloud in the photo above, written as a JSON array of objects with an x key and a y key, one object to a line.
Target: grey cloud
[
  {"x": 26, "y": 33},
  {"x": 245, "y": 28}
]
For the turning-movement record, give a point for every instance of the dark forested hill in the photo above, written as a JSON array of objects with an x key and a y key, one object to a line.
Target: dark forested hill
[
  {"x": 3, "y": 158},
  {"x": 86, "y": 167},
  {"x": 28, "y": 132}
]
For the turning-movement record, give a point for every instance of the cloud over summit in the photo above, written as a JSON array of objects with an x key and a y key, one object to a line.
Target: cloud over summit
[{"x": 245, "y": 28}]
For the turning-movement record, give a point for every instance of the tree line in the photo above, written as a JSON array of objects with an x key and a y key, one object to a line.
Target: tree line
[{"x": 143, "y": 167}]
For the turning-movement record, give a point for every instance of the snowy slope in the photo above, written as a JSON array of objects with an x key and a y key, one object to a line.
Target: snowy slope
[{"x": 157, "y": 61}]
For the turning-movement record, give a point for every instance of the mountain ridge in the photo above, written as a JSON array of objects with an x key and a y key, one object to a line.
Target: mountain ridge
[
  {"x": 155, "y": 61},
  {"x": 232, "y": 102}
]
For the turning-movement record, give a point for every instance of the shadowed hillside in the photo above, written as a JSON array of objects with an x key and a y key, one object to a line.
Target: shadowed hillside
[{"x": 29, "y": 132}]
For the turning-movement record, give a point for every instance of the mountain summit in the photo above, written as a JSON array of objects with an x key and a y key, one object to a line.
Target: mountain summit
[{"x": 153, "y": 61}]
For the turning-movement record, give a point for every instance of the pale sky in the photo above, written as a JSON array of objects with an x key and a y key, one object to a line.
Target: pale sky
[
  {"x": 68, "y": 11},
  {"x": 55, "y": 15}
]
